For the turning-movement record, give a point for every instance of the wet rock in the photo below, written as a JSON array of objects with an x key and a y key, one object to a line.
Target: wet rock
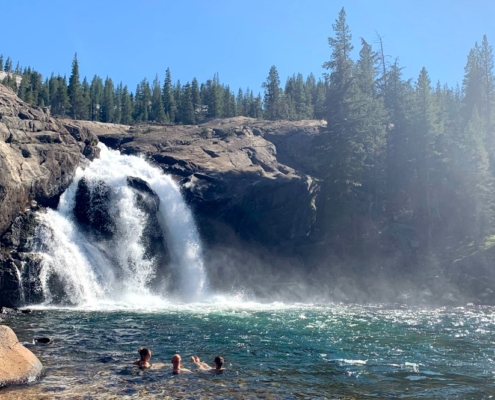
[
  {"x": 42, "y": 341},
  {"x": 9, "y": 311},
  {"x": 153, "y": 236},
  {"x": 92, "y": 207},
  {"x": 17, "y": 364}
]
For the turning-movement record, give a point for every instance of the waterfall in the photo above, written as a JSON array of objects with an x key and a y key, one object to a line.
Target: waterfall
[{"x": 81, "y": 266}]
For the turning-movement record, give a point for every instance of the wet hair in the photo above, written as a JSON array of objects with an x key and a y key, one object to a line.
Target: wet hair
[
  {"x": 177, "y": 358},
  {"x": 144, "y": 352},
  {"x": 218, "y": 361}
]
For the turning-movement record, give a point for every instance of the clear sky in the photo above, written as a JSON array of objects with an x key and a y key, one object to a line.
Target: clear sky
[{"x": 240, "y": 39}]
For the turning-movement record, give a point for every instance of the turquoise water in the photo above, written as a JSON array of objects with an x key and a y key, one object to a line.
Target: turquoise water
[{"x": 271, "y": 351}]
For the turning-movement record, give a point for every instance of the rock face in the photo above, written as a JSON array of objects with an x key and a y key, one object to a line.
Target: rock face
[
  {"x": 38, "y": 158},
  {"x": 17, "y": 364},
  {"x": 248, "y": 193}
]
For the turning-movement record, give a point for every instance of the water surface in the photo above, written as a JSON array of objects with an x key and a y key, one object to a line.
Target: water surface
[{"x": 271, "y": 351}]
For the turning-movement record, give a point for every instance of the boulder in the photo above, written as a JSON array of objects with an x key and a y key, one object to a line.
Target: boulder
[
  {"x": 153, "y": 236},
  {"x": 17, "y": 364},
  {"x": 92, "y": 208}
]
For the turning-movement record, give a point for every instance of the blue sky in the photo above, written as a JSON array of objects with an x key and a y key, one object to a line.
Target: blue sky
[{"x": 239, "y": 39}]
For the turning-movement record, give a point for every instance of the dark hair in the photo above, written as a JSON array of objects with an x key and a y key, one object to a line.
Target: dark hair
[
  {"x": 218, "y": 361},
  {"x": 144, "y": 352}
]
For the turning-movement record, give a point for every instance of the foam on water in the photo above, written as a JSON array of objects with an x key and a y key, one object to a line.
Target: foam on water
[{"x": 115, "y": 273}]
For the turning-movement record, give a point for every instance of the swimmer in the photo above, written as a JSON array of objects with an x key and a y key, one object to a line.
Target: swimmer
[
  {"x": 218, "y": 362},
  {"x": 177, "y": 363},
  {"x": 144, "y": 361}
]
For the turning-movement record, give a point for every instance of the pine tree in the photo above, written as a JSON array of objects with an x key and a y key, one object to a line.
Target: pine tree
[
  {"x": 240, "y": 103},
  {"x": 96, "y": 98},
  {"x": 142, "y": 101},
  {"x": 45, "y": 94},
  {"x": 177, "y": 92},
  {"x": 24, "y": 87},
  {"x": 320, "y": 99},
  {"x": 117, "y": 117},
  {"x": 187, "y": 107},
  {"x": 472, "y": 83},
  {"x": 1, "y": 62},
  {"x": 344, "y": 144},
  {"x": 157, "y": 109},
  {"x": 474, "y": 182},
  {"x": 228, "y": 103},
  {"x": 487, "y": 84},
  {"x": 169, "y": 102},
  {"x": 371, "y": 126},
  {"x": 8, "y": 65},
  {"x": 213, "y": 97},
  {"x": 76, "y": 97},
  {"x": 61, "y": 103},
  {"x": 107, "y": 105},
  {"x": 300, "y": 101},
  {"x": 196, "y": 99},
  {"x": 126, "y": 107},
  {"x": 423, "y": 152},
  {"x": 273, "y": 101},
  {"x": 397, "y": 96},
  {"x": 86, "y": 97}
]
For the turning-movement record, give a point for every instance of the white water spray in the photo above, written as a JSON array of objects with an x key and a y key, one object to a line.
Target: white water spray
[{"x": 92, "y": 271}]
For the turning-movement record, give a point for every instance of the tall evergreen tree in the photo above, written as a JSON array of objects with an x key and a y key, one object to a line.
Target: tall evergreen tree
[
  {"x": 126, "y": 117},
  {"x": 86, "y": 98},
  {"x": 187, "y": 107},
  {"x": 61, "y": 104},
  {"x": 157, "y": 109},
  {"x": 8, "y": 65},
  {"x": 75, "y": 93},
  {"x": 169, "y": 102},
  {"x": 117, "y": 117},
  {"x": 96, "y": 98},
  {"x": 273, "y": 101},
  {"x": 371, "y": 126},
  {"x": 107, "y": 105},
  {"x": 475, "y": 183},
  {"x": 196, "y": 99},
  {"x": 344, "y": 143}
]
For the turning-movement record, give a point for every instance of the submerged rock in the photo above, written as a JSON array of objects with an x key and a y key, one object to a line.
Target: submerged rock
[
  {"x": 42, "y": 341},
  {"x": 17, "y": 364}
]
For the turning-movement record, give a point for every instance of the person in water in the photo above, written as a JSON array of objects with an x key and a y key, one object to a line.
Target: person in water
[
  {"x": 177, "y": 365},
  {"x": 144, "y": 361},
  {"x": 218, "y": 363}
]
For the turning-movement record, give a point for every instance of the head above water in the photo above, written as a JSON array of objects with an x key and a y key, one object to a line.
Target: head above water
[
  {"x": 218, "y": 362},
  {"x": 144, "y": 353},
  {"x": 176, "y": 363}
]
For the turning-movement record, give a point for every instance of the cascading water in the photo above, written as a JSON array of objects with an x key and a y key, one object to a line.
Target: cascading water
[{"x": 82, "y": 268}]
